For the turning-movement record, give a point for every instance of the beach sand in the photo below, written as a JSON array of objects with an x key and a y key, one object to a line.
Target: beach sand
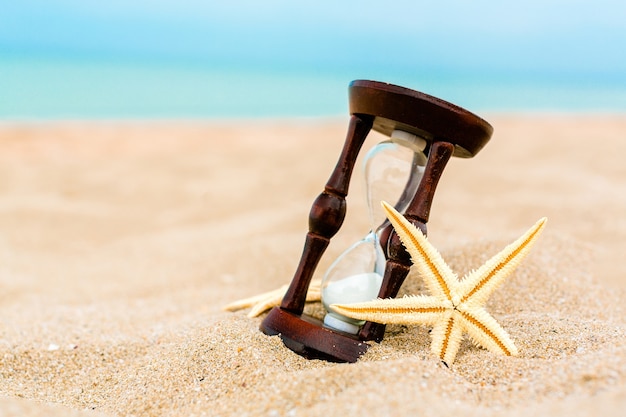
[{"x": 120, "y": 242}]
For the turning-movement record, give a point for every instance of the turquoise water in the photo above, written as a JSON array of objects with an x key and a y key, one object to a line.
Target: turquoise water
[{"x": 68, "y": 88}]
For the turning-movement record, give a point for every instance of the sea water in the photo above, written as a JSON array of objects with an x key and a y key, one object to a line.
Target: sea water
[{"x": 44, "y": 87}]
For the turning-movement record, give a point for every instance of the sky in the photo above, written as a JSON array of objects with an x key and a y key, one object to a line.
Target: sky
[
  {"x": 560, "y": 35},
  {"x": 559, "y": 41}
]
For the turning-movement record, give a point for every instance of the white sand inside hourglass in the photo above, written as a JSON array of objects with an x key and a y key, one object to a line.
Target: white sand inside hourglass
[{"x": 352, "y": 289}]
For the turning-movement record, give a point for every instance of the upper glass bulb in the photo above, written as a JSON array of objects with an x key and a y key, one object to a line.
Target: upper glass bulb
[{"x": 393, "y": 171}]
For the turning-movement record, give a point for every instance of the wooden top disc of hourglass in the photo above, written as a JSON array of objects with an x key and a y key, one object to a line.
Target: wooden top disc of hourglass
[{"x": 396, "y": 107}]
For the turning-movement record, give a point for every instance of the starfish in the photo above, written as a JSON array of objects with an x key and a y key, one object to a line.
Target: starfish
[
  {"x": 455, "y": 307},
  {"x": 263, "y": 302}
]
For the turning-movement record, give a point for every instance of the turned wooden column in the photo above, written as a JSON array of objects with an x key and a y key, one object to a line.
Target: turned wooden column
[
  {"x": 327, "y": 214},
  {"x": 418, "y": 212}
]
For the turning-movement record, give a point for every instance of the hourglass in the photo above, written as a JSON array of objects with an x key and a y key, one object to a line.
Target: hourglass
[{"x": 428, "y": 131}]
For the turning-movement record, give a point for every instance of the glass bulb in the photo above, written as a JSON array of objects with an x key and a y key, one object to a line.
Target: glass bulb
[
  {"x": 392, "y": 168},
  {"x": 355, "y": 276},
  {"x": 393, "y": 171}
]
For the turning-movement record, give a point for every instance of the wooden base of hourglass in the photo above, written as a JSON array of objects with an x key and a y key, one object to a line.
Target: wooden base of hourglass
[{"x": 449, "y": 130}]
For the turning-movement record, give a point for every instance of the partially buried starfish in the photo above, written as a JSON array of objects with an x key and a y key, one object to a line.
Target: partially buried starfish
[
  {"x": 454, "y": 307},
  {"x": 263, "y": 302}
]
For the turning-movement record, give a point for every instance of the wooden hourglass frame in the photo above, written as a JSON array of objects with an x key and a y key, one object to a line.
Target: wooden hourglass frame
[{"x": 449, "y": 131}]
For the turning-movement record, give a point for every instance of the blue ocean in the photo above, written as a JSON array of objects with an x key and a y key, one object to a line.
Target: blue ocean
[{"x": 42, "y": 87}]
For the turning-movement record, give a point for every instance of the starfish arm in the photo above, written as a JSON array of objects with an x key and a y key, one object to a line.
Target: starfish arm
[
  {"x": 437, "y": 275},
  {"x": 314, "y": 294},
  {"x": 447, "y": 335},
  {"x": 265, "y": 301},
  {"x": 476, "y": 287},
  {"x": 417, "y": 309},
  {"x": 255, "y": 299},
  {"x": 265, "y": 304},
  {"x": 485, "y": 331}
]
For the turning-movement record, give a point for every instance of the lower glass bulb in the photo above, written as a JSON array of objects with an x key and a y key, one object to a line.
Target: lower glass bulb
[{"x": 355, "y": 276}]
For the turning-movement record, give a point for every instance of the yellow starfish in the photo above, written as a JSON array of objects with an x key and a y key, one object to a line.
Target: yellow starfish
[
  {"x": 454, "y": 307},
  {"x": 263, "y": 302}
]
